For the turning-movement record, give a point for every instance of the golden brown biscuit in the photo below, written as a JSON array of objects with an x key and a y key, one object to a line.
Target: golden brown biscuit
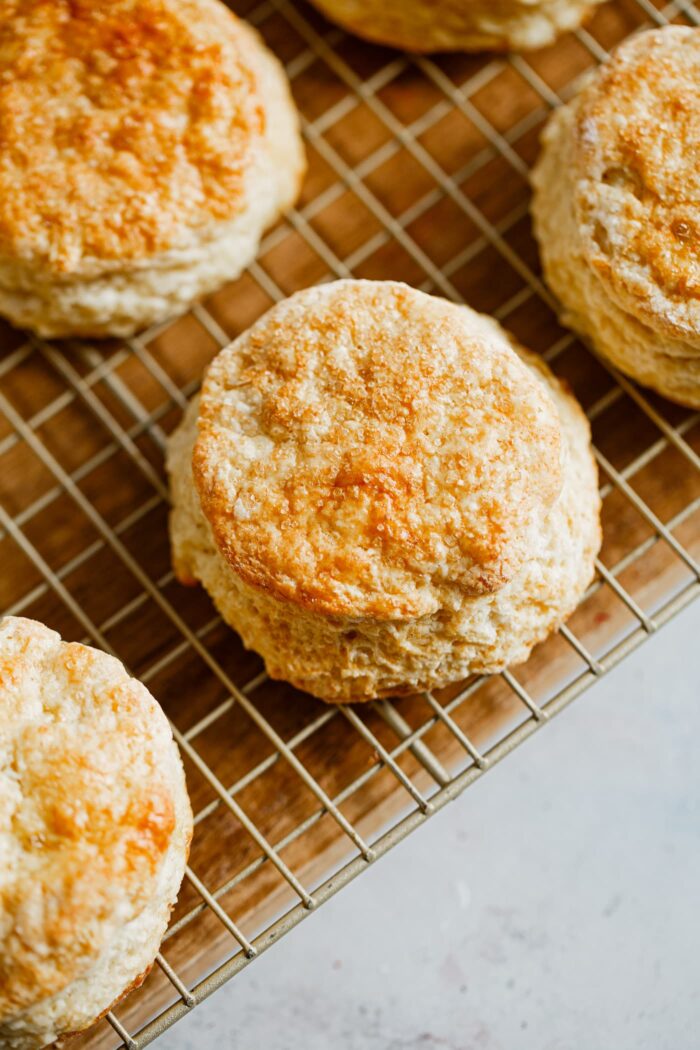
[
  {"x": 144, "y": 147},
  {"x": 458, "y": 25},
  {"x": 95, "y": 827},
  {"x": 617, "y": 210},
  {"x": 380, "y": 495}
]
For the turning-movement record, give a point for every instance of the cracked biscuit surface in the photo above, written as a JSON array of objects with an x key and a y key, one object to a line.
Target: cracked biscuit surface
[
  {"x": 144, "y": 147},
  {"x": 617, "y": 210},
  {"x": 381, "y": 495},
  {"x": 95, "y": 826}
]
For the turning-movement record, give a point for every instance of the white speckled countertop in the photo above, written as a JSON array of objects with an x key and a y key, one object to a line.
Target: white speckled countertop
[{"x": 554, "y": 906}]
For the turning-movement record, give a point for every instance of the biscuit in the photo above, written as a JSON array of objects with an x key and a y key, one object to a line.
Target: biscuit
[
  {"x": 380, "y": 495},
  {"x": 145, "y": 146},
  {"x": 616, "y": 210},
  {"x": 458, "y": 25},
  {"x": 95, "y": 826}
]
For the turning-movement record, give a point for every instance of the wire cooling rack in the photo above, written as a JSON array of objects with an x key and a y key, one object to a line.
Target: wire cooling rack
[{"x": 418, "y": 171}]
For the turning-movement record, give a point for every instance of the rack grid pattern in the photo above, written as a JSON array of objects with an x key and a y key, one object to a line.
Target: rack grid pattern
[{"x": 418, "y": 171}]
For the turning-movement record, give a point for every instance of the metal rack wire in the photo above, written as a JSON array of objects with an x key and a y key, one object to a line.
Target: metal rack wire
[{"x": 418, "y": 171}]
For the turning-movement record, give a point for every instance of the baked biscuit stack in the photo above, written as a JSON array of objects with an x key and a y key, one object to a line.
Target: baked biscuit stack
[
  {"x": 95, "y": 827},
  {"x": 617, "y": 210},
  {"x": 145, "y": 146},
  {"x": 381, "y": 494}
]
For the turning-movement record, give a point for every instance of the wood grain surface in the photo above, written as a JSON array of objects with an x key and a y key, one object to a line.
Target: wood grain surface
[{"x": 417, "y": 171}]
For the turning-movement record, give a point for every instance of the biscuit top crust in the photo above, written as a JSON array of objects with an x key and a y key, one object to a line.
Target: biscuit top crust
[
  {"x": 366, "y": 450},
  {"x": 637, "y": 168},
  {"x": 124, "y": 125},
  {"x": 86, "y": 807}
]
